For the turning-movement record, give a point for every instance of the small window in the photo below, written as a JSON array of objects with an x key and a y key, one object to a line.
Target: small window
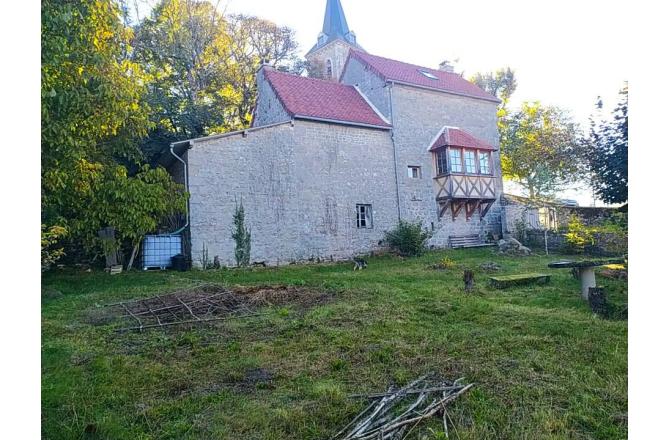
[
  {"x": 330, "y": 70},
  {"x": 364, "y": 217},
  {"x": 442, "y": 162},
  {"x": 456, "y": 160},
  {"x": 415, "y": 172},
  {"x": 484, "y": 162},
  {"x": 469, "y": 162},
  {"x": 428, "y": 74}
]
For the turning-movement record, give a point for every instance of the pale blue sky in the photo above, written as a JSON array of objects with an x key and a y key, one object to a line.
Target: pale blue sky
[{"x": 565, "y": 53}]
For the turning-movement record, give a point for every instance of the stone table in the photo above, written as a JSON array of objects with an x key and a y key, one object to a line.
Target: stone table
[{"x": 586, "y": 268}]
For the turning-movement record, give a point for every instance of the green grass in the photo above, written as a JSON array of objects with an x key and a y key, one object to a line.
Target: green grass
[{"x": 544, "y": 366}]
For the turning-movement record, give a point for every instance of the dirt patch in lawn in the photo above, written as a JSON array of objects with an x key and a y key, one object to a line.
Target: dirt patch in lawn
[
  {"x": 256, "y": 379},
  {"x": 258, "y": 296}
]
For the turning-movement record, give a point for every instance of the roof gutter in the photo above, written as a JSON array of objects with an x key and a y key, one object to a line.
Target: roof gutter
[
  {"x": 449, "y": 92},
  {"x": 192, "y": 142},
  {"x": 337, "y": 121}
]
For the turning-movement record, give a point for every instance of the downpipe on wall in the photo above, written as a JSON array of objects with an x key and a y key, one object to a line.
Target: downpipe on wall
[
  {"x": 185, "y": 178},
  {"x": 394, "y": 149}
]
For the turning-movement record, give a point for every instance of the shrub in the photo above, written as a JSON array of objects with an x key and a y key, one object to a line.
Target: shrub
[
  {"x": 578, "y": 235},
  {"x": 446, "y": 263},
  {"x": 521, "y": 227},
  {"x": 204, "y": 257},
  {"x": 241, "y": 236},
  {"x": 50, "y": 237},
  {"x": 408, "y": 239},
  {"x": 608, "y": 237}
]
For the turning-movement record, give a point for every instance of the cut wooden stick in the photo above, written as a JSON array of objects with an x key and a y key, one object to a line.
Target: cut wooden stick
[
  {"x": 354, "y": 420},
  {"x": 189, "y": 321},
  {"x": 135, "y": 317},
  {"x": 381, "y": 419},
  {"x": 188, "y": 308},
  {"x": 445, "y": 419},
  {"x": 419, "y": 391}
]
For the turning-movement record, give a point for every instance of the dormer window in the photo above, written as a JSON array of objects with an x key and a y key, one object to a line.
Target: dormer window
[
  {"x": 483, "y": 157},
  {"x": 457, "y": 152},
  {"x": 462, "y": 161},
  {"x": 455, "y": 160},
  {"x": 470, "y": 162},
  {"x": 442, "y": 162}
]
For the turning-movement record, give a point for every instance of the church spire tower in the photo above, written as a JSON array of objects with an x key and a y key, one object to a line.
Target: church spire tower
[{"x": 328, "y": 57}]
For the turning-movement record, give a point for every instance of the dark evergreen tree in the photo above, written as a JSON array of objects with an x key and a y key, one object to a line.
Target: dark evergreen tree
[
  {"x": 608, "y": 156},
  {"x": 241, "y": 236}
]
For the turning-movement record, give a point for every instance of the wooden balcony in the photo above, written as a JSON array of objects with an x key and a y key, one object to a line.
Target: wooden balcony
[{"x": 472, "y": 193}]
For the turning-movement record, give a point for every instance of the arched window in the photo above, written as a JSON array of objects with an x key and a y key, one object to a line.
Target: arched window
[{"x": 330, "y": 69}]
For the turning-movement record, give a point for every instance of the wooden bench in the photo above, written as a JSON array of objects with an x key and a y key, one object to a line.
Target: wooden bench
[
  {"x": 466, "y": 241},
  {"x": 502, "y": 282}
]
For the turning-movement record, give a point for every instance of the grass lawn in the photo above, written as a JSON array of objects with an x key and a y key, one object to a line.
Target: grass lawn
[{"x": 544, "y": 366}]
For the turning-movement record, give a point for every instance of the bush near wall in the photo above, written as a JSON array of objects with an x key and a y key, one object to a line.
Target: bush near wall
[
  {"x": 605, "y": 238},
  {"x": 407, "y": 239}
]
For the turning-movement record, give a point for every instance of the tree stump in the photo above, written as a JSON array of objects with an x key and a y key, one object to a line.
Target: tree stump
[
  {"x": 108, "y": 238},
  {"x": 598, "y": 301},
  {"x": 216, "y": 262},
  {"x": 468, "y": 280}
]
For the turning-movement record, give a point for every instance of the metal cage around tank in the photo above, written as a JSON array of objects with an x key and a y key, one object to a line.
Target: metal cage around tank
[{"x": 158, "y": 250}]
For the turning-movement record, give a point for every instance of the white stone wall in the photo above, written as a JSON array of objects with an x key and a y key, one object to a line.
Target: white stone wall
[
  {"x": 418, "y": 116},
  {"x": 337, "y": 51},
  {"x": 373, "y": 87},
  {"x": 299, "y": 185},
  {"x": 268, "y": 108}
]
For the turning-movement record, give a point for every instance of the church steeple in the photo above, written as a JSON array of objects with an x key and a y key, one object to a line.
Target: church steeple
[
  {"x": 335, "y": 20},
  {"x": 328, "y": 55}
]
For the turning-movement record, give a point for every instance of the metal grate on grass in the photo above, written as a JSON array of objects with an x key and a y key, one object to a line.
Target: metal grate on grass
[{"x": 200, "y": 305}]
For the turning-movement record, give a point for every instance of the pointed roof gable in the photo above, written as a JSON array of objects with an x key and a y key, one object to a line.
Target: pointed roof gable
[
  {"x": 411, "y": 74},
  {"x": 456, "y": 137},
  {"x": 316, "y": 99},
  {"x": 335, "y": 27},
  {"x": 335, "y": 20}
]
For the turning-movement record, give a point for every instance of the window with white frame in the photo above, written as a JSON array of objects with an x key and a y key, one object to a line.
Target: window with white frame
[
  {"x": 469, "y": 162},
  {"x": 456, "y": 160},
  {"x": 442, "y": 162},
  {"x": 415, "y": 172},
  {"x": 364, "y": 217},
  {"x": 483, "y": 157}
]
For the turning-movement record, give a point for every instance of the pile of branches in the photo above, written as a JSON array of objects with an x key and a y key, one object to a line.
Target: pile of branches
[
  {"x": 201, "y": 304},
  {"x": 394, "y": 414}
]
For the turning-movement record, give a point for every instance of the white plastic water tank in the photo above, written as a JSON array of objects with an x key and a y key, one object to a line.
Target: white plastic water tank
[{"x": 158, "y": 250}]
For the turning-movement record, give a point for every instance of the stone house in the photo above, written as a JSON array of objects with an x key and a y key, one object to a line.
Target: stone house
[
  {"x": 548, "y": 214},
  {"x": 334, "y": 160}
]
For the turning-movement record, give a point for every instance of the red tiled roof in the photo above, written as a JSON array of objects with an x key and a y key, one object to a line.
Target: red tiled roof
[
  {"x": 319, "y": 99},
  {"x": 457, "y": 137},
  {"x": 410, "y": 73}
]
